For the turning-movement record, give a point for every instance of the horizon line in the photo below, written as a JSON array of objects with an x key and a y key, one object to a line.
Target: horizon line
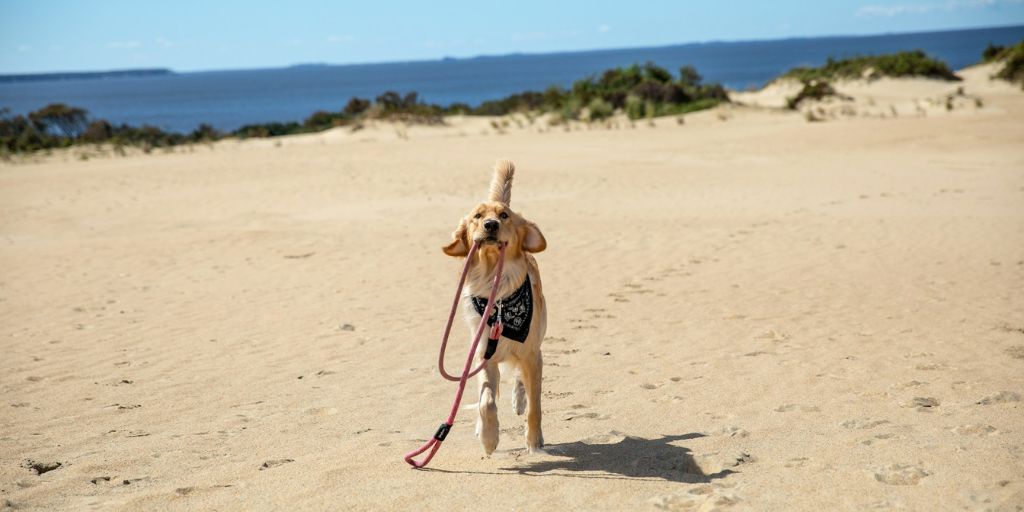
[{"x": 514, "y": 53}]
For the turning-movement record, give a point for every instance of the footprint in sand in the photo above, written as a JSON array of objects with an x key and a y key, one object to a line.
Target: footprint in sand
[
  {"x": 40, "y": 468},
  {"x": 610, "y": 437},
  {"x": 901, "y": 474},
  {"x": 550, "y": 395},
  {"x": 922, "y": 404},
  {"x": 976, "y": 430},
  {"x": 675, "y": 399},
  {"x": 701, "y": 497},
  {"x": 909, "y": 384},
  {"x": 772, "y": 335},
  {"x": 1001, "y": 397},
  {"x": 862, "y": 423},
  {"x": 869, "y": 442},
  {"x": 1011, "y": 328},
  {"x": 733, "y": 431},
  {"x": 587, "y": 415},
  {"x": 1016, "y": 351},
  {"x": 274, "y": 463},
  {"x": 716, "y": 462},
  {"x": 797, "y": 462}
]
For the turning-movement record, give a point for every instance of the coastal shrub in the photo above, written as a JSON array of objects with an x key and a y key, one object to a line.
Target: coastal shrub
[
  {"x": 322, "y": 120},
  {"x": 914, "y": 63},
  {"x": 650, "y": 109},
  {"x": 992, "y": 53},
  {"x": 1013, "y": 62},
  {"x": 147, "y": 136},
  {"x": 69, "y": 121},
  {"x": 355, "y": 106},
  {"x": 458, "y": 109},
  {"x": 204, "y": 133},
  {"x": 670, "y": 109},
  {"x": 571, "y": 108},
  {"x": 31, "y": 140},
  {"x": 520, "y": 102},
  {"x": 20, "y": 134},
  {"x": 268, "y": 130},
  {"x": 599, "y": 109},
  {"x": 553, "y": 98},
  {"x": 634, "y": 107},
  {"x": 98, "y": 132},
  {"x": 390, "y": 102},
  {"x": 812, "y": 90},
  {"x": 712, "y": 92},
  {"x": 689, "y": 77},
  {"x": 655, "y": 73}
]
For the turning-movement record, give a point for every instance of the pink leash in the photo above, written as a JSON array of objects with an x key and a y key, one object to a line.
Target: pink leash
[{"x": 434, "y": 443}]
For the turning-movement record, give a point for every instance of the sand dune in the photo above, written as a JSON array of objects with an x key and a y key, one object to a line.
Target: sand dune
[{"x": 747, "y": 312}]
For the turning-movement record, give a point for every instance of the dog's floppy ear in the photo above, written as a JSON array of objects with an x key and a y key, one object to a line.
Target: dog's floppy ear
[
  {"x": 532, "y": 239},
  {"x": 460, "y": 242}
]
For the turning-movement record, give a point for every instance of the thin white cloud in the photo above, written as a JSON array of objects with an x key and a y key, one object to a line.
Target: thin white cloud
[
  {"x": 24, "y": 48},
  {"x": 890, "y": 10},
  {"x": 604, "y": 29},
  {"x": 163, "y": 42},
  {"x": 124, "y": 45}
]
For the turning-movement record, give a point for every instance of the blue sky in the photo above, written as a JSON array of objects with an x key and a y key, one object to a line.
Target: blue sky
[{"x": 185, "y": 35}]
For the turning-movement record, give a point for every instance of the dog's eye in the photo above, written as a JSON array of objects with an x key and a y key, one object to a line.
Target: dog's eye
[
  {"x": 477, "y": 216},
  {"x": 503, "y": 215}
]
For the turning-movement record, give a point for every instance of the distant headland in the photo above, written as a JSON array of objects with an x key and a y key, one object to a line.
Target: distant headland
[{"x": 86, "y": 75}]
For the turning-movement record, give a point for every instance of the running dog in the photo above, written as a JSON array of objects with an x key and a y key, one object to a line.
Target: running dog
[{"x": 520, "y": 306}]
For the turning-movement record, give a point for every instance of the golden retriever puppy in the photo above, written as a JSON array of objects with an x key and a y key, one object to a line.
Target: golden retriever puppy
[{"x": 519, "y": 304}]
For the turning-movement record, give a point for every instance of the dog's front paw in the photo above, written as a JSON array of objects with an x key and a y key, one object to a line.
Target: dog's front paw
[
  {"x": 534, "y": 442},
  {"x": 487, "y": 426},
  {"x": 536, "y": 450}
]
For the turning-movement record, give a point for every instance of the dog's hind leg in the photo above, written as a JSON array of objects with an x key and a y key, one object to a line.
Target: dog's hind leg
[
  {"x": 519, "y": 393},
  {"x": 487, "y": 423},
  {"x": 532, "y": 369}
]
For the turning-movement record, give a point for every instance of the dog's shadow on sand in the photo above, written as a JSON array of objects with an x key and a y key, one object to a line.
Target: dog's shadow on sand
[{"x": 628, "y": 458}]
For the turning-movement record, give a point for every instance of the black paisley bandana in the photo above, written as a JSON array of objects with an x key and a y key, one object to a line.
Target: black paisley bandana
[{"x": 516, "y": 312}]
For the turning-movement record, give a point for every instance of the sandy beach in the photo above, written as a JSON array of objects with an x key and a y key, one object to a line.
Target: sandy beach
[{"x": 747, "y": 311}]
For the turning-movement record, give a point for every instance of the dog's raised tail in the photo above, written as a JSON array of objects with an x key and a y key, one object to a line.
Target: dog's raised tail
[{"x": 501, "y": 184}]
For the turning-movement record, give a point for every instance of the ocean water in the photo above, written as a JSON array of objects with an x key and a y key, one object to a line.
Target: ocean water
[{"x": 229, "y": 99}]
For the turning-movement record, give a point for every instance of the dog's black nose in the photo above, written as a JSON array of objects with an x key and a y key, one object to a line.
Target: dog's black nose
[{"x": 491, "y": 225}]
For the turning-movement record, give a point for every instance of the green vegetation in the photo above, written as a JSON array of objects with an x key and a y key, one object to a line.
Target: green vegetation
[
  {"x": 812, "y": 90},
  {"x": 1013, "y": 59},
  {"x": 903, "y": 64},
  {"x": 640, "y": 91},
  {"x": 58, "y": 126}
]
